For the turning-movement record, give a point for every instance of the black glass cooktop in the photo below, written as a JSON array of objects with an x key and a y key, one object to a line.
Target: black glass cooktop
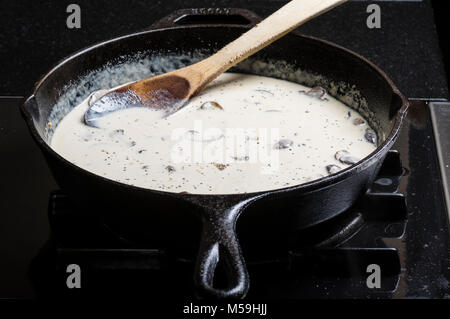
[{"x": 401, "y": 225}]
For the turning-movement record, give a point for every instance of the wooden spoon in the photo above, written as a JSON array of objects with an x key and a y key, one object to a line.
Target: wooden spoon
[{"x": 170, "y": 91}]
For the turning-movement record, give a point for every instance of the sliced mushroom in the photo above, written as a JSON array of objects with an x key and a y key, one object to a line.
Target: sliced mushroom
[
  {"x": 211, "y": 105},
  {"x": 371, "y": 136},
  {"x": 331, "y": 169},
  {"x": 283, "y": 144},
  {"x": 317, "y": 92},
  {"x": 358, "y": 121},
  {"x": 345, "y": 157}
]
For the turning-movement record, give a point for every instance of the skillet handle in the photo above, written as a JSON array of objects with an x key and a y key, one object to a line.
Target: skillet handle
[
  {"x": 208, "y": 17},
  {"x": 219, "y": 244}
]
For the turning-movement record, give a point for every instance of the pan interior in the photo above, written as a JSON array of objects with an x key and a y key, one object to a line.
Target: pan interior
[{"x": 145, "y": 64}]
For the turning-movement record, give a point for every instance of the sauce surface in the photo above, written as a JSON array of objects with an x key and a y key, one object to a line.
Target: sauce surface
[{"x": 243, "y": 133}]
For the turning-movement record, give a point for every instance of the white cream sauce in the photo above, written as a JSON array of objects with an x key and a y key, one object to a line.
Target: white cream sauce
[{"x": 243, "y": 133}]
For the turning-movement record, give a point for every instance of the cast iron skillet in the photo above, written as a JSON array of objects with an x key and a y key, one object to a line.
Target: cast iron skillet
[{"x": 172, "y": 217}]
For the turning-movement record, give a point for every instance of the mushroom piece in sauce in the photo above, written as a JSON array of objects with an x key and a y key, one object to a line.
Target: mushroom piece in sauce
[
  {"x": 331, "y": 169},
  {"x": 283, "y": 144},
  {"x": 371, "y": 136},
  {"x": 358, "y": 121},
  {"x": 211, "y": 105},
  {"x": 316, "y": 92},
  {"x": 345, "y": 157}
]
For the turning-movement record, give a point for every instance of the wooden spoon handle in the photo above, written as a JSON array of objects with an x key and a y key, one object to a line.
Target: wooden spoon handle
[{"x": 287, "y": 18}]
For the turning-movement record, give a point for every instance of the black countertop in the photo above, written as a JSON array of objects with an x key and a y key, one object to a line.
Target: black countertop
[{"x": 36, "y": 36}]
